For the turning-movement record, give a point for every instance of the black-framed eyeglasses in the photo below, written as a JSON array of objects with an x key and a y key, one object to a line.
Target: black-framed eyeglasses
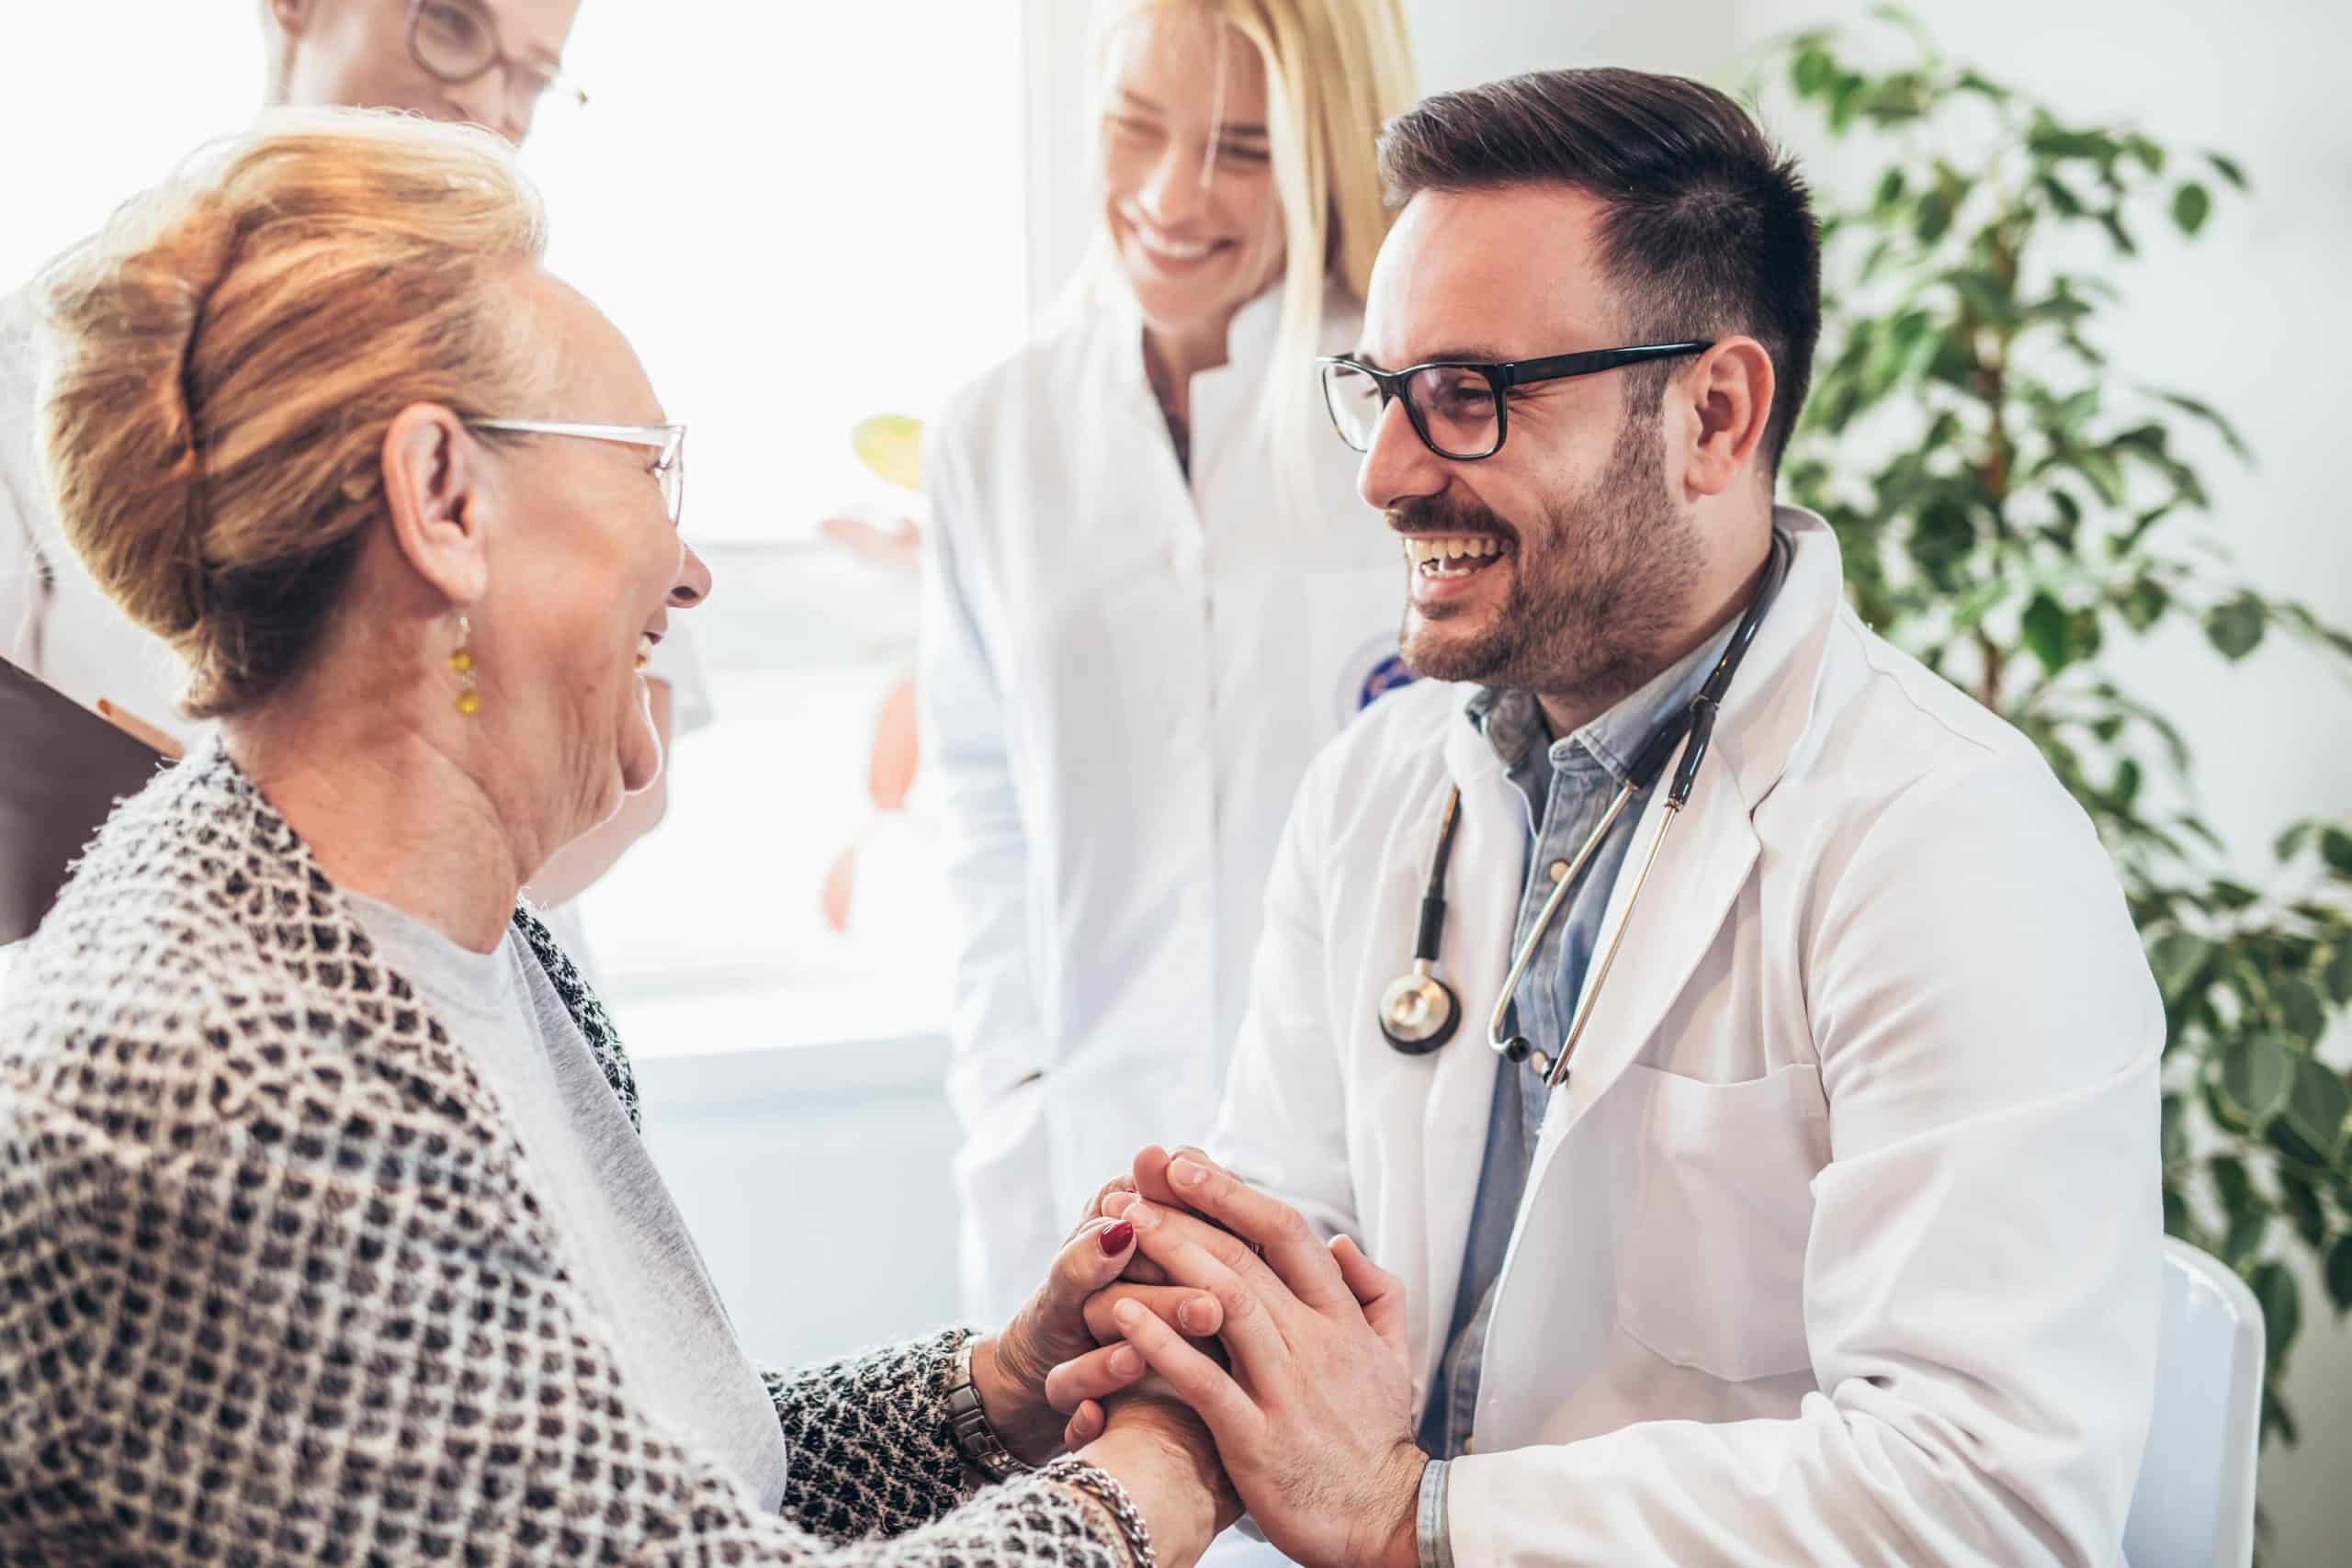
[
  {"x": 1460, "y": 408},
  {"x": 457, "y": 41}
]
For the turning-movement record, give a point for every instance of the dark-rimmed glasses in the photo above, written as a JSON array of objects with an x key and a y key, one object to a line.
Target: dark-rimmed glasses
[
  {"x": 457, "y": 41},
  {"x": 1460, "y": 408},
  {"x": 669, "y": 440}
]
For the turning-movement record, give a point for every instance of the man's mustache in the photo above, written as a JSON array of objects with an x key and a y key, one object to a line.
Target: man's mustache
[{"x": 1433, "y": 516}]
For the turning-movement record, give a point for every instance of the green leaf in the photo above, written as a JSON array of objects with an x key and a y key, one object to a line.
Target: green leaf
[
  {"x": 2228, "y": 169},
  {"x": 2144, "y": 604},
  {"x": 2282, "y": 1308},
  {"x": 2242, "y": 1240},
  {"x": 2232, "y": 896},
  {"x": 2284, "y": 1138},
  {"x": 2338, "y": 973},
  {"x": 2305, "y": 1211},
  {"x": 2335, "y": 848},
  {"x": 2176, "y": 957},
  {"x": 1931, "y": 220},
  {"x": 2317, "y": 1104},
  {"x": 2085, "y": 634},
  {"x": 2099, "y": 466},
  {"x": 2277, "y": 1419},
  {"x": 2300, "y": 1010},
  {"x": 2112, "y": 221},
  {"x": 2339, "y": 1273},
  {"x": 1890, "y": 189},
  {"x": 2290, "y": 843},
  {"x": 2078, "y": 410},
  {"x": 2173, "y": 1140},
  {"x": 1810, "y": 71},
  {"x": 2258, "y": 1074},
  {"x": 2198, "y": 409},
  {"x": 2048, "y": 138},
  {"x": 1986, "y": 297},
  {"x": 2061, "y": 197},
  {"x": 2046, "y": 633},
  {"x": 2190, "y": 206},
  {"x": 2233, "y": 1186},
  {"x": 2235, "y": 626},
  {"x": 2151, "y": 157}
]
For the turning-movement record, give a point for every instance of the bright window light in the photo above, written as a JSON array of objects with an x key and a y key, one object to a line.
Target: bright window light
[{"x": 800, "y": 216}]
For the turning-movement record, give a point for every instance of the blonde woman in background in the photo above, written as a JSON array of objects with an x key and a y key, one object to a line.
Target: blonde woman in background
[{"x": 1152, "y": 595}]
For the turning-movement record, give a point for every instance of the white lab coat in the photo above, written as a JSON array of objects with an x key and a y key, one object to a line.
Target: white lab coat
[
  {"x": 1841, "y": 1243},
  {"x": 1123, "y": 678}
]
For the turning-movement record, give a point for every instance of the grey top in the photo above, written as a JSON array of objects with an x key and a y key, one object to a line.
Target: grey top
[
  {"x": 1566, "y": 785},
  {"x": 615, "y": 1219}
]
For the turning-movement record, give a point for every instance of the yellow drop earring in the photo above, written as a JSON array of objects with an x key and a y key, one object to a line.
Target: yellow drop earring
[{"x": 462, "y": 662}]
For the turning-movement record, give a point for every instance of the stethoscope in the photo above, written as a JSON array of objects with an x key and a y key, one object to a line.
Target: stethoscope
[{"x": 1418, "y": 1012}]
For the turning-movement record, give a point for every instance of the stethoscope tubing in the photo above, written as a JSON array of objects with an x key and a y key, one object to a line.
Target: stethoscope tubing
[
  {"x": 1688, "y": 734},
  {"x": 1498, "y": 1027}
]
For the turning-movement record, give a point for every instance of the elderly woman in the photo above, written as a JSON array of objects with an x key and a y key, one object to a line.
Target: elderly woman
[{"x": 325, "y": 1233}]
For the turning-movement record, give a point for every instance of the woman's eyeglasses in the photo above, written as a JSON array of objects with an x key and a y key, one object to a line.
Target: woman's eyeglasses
[
  {"x": 669, "y": 440},
  {"x": 1460, "y": 408}
]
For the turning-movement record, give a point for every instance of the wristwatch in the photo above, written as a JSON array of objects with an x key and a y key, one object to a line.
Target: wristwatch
[{"x": 968, "y": 1421}]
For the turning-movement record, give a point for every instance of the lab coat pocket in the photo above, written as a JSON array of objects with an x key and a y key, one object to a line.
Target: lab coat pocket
[{"x": 1711, "y": 1273}]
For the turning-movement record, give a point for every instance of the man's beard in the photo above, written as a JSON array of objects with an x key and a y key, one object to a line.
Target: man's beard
[{"x": 1597, "y": 585}]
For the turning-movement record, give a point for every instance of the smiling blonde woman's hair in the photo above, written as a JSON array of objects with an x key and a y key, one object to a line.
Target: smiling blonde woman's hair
[
  {"x": 225, "y": 357},
  {"x": 1336, "y": 71}
]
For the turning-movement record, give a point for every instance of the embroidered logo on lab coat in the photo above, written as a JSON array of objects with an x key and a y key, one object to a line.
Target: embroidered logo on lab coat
[{"x": 1376, "y": 670}]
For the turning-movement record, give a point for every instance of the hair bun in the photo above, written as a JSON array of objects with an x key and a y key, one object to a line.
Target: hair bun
[
  {"x": 229, "y": 350},
  {"x": 124, "y": 322}
]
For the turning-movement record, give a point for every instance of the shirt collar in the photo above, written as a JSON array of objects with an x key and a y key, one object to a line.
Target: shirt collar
[{"x": 1512, "y": 720}]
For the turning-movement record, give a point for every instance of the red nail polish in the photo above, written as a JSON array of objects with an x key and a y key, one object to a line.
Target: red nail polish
[{"x": 1115, "y": 1239}]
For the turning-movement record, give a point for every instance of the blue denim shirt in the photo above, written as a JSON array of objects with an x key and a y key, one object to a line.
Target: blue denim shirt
[{"x": 1567, "y": 786}]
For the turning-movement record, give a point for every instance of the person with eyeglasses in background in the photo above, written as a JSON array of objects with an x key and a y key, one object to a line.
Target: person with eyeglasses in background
[
  {"x": 1149, "y": 597},
  {"x": 495, "y": 64}
]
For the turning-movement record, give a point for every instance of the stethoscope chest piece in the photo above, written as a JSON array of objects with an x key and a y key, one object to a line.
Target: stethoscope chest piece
[{"x": 1418, "y": 1011}]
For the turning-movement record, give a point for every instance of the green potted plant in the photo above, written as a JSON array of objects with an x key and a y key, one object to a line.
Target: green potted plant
[{"x": 2016, "y": 509}]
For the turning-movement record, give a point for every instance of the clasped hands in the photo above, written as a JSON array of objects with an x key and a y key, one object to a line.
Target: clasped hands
[{"x": 1220, "y": 1314}]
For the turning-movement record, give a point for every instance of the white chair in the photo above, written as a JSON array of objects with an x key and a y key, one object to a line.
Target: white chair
[{"x": 2192, "y": 1505}]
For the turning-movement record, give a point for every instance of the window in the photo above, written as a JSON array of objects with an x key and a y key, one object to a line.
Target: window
[{"x": 801, "y": 218}]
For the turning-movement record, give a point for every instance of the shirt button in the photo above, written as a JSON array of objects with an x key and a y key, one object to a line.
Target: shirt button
[{"x": 1559, "y": 871}]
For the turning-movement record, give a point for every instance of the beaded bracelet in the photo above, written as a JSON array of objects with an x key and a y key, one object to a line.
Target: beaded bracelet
[{"x": 1105, "y": 1488}]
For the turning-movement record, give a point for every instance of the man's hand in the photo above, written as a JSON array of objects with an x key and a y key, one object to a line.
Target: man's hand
[{"x": 1314, "y": 1420}]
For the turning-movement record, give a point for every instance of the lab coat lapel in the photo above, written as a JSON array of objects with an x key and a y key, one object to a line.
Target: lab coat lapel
[
  {"x": 1708, "y": 854},
  {"x": 1489, "y": 858},
  {"x": 1711, "y": 851}
]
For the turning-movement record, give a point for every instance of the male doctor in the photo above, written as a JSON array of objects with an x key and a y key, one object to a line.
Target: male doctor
[{"x": 1838, "y": 1242}]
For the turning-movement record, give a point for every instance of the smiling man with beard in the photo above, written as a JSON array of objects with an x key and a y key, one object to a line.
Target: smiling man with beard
[{"x": 1806, "y": 1209}]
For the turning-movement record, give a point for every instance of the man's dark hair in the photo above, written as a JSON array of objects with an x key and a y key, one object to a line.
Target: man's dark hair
[{"x": 1708, "y": 230}]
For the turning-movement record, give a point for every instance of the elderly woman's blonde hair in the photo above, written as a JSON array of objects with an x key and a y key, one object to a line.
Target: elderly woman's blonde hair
[
  {"x": 1336, "y": 71},
  {"x": 224, "y": 357}
]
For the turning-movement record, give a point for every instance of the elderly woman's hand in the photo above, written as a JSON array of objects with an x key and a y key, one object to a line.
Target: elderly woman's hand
[{"x": 1069, "y": 1315}]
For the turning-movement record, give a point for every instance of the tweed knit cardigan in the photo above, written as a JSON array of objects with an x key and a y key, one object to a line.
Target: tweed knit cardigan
[{"x": 278, "y": 1287}]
